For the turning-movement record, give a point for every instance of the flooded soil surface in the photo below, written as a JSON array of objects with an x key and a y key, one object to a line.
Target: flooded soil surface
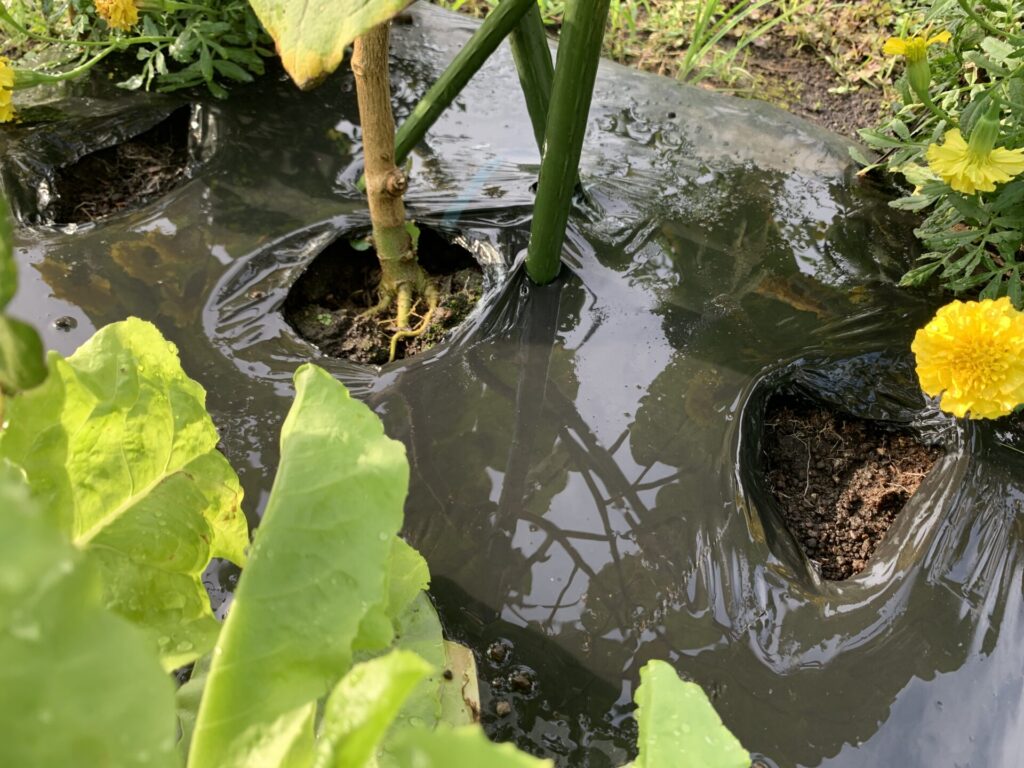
[
  {"x": 586, "y": 459},
  {"x": 330, "y": 304},
  {"x": 840, "y": 482},
  {"x": 125, "y": 175}
]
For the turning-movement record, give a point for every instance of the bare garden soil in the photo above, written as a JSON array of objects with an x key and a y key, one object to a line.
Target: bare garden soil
[
  {"x": 125, "y": 175},
  {"x": 328, "y": 304},
  {"x": 840, "y": 482}
]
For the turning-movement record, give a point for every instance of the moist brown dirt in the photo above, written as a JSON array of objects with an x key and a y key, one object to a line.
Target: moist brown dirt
[
  {"x": 125, "y": 175},
  {"x": 840, "y": 482},
  {"x": 800, "y": 82},
  {"x": 327, "y": 305}
]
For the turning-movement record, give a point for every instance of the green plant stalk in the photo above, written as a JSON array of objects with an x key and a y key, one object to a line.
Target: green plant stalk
[
  {"x": 579, "y": 51},
  {"x": 5, "y": 16},
  {"x": 984, "y": 24},
  {"x": 536, "y": 72},
  {"x": 29, "y": 79},
  {"x": 495, "y": 28}
]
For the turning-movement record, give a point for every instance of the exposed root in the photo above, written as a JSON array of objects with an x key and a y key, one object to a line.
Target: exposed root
[
  {"x": 384, "y": 300},
  {"x": 431, "y": 294}
]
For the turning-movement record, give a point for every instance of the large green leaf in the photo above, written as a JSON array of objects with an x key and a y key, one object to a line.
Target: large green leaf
[
  {"x": 362, "y": 707},
  {"x": 464, "y": 747},
  {"x": 119, "y": 450},
  {"x": 80, "y": 686},
  {"x": 318, "y": 566},
  {"x": 679, "y": 727},
  {"x": 437, "y": 698},
  {"x": 186, "y": 702},
  {"x": 21, "y": 351},
  {"x": 312, "y": 35},
  {"x": 21, "y": 356},
  {"x": 8, "y": 273}
]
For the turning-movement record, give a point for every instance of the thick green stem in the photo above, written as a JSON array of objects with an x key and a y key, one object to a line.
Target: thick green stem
[
  {"x": 29, "y": 79},
  {"x": 474, "y": 53},
  {"x": 579, "y": 50},
  {"x": 536, "y": 72}
]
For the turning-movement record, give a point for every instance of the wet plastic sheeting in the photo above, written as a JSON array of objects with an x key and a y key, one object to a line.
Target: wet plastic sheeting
[{"x": 585, "y": 457}]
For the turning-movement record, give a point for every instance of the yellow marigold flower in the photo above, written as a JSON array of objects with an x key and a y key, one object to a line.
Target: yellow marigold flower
[
  {"x": 6, "y": 90},
  {"x": 915, "y": 48},
  {"x": 119, "y": 14},
  {"x": 969, "y": 170},
  {"x": 972, "y": 353}
]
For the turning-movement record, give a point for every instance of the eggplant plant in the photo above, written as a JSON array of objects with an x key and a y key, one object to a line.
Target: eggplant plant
[
  {"x": 312, "y": 39},
  {"x": 558, "y": 99}
]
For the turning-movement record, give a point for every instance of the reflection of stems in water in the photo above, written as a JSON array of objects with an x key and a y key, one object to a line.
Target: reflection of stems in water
[
  {"x": 580, "y": 442},
  {"x": 557, "y": 605}
]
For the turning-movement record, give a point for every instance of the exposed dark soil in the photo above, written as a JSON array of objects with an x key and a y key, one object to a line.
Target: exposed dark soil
[
  {"x": 840, "y": 481},
  {"x": 823, "y": 62},
  {"x": 125, "y": 175},
  {"x": 800, "y": 82},
  {"x": 327, "y": 305}
]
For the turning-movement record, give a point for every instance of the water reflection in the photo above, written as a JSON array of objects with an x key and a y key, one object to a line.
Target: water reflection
[{"x": 585, "y": 456}]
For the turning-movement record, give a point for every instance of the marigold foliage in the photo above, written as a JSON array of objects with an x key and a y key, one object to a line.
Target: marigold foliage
[
  {"x": 6, "y": 90},
  {"x": 972, "y": 354},
  {"x": 119, "y": 14},
  {"x": 956, "y": 137}
]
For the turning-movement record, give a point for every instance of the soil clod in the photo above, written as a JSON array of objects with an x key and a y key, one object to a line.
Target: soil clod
[
  {"x": 840, "y": 481},
  {"x": 498, "y": 652}
]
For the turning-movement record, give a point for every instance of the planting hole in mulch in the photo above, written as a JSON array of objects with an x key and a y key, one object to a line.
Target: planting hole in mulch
[
  {"x": 840, "y": 481},
  {"x": 327, "y": 305},
  {"x": 125, "y": 175}
]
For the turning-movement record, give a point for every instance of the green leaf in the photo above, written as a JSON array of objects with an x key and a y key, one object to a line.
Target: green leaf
[
  {"x": 206, "y": 63},
  {"x": 1015, "y": 290},
  {"x": 918, "y": 275},
  {"x": 186, "y": 702},
  {"x": 878, "y": 140},
  {"x": 120, "y": 452},
  {"x": 233, "y": 71},
  {"x": 969, "y": 208},
  {"x": 8, "y": 273},
  {"x": 993, "y": 288},
  {"x": 318, "y": 566},
  {"x": 900, "y": 129},
  {"x": 22, "y": 364},
  {"x": 678, "y": 726},
  {"x": 998, "y": 50},
  {"x": 80, "y": 686},
  {"x": 311, "y": 35},
  {"x": 465, "y": 747},
  {"x": 409, "y": 576},
  {"x": 418, "y": 630},
  {"x": 21, "y": 351},
  {"x": 362, "y": 707}
]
